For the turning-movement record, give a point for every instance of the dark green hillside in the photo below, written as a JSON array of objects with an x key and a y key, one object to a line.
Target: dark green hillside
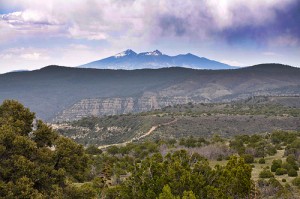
[{"x": 53, "y": 89}]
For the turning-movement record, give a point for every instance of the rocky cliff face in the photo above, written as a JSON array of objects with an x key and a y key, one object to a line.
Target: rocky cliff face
[
  {"x": 151, "y": 101},
  {"x": 117, "y": 105}
]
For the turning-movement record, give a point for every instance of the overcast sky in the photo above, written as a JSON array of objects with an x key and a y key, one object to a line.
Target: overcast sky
[{"x": 36, "y": 33}]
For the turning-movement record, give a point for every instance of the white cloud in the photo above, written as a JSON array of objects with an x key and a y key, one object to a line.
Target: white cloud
[
  {"x": 78, "y": 33},
  {"x": 31, "y": 56},
  {"x": 236, "y": 12},
  {"x": 111, "y": 19}
]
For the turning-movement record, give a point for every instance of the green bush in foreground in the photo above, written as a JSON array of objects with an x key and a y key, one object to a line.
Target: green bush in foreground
[
  {"x": 292, "y": 173},
  {"x": 266, "y": 174},
  {"x": 275, "y": 165},
  {"x": 249, "y": 159},
  {"x": 93, "y": 150},
  {"x": 296, "y": 182},
  {"x": 280, "y": 171},
  {"x": 261, "y": 161}
]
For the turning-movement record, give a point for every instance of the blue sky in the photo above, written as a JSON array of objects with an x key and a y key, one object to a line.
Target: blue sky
[{"x": 35, "y": 33}]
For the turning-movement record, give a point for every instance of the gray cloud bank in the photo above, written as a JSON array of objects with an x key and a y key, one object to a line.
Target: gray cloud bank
[{"x": 270, "y": 22}]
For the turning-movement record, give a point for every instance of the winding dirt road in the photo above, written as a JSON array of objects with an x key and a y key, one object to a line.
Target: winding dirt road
[{"x": 153, "y": 128}]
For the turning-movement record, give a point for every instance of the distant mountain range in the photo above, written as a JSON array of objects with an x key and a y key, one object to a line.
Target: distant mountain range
[
  {"x": 130, "y": 60},
  {"x": 63, "y": 93}
]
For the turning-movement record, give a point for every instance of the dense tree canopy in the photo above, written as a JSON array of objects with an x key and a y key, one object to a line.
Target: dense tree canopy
[
  {"x": 180, "y": 175},
  {"x": 35, "y": 161}
]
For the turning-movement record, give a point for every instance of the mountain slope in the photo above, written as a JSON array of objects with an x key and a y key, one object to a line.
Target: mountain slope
[
  {"x": 253, "y": 115},
  {"x": 71, "y": 93},
  {"x": 131, "y": 60}
]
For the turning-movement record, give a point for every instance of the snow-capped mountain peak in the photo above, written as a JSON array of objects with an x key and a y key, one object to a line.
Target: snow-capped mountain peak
[
  {"x": 129, "y": 59},
  {"x": 153, "y": 53},
  {"x": 125, "y": 53}
]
